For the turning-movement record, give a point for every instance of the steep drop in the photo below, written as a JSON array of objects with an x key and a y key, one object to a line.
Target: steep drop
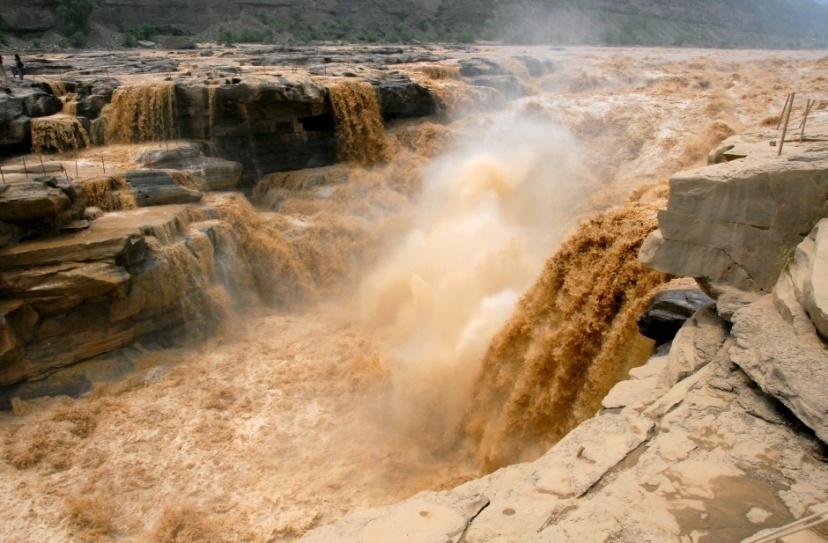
[
  {"x": 565, "y": 345},
  {"x": 141, "y": 113},
  {"x": 358, "y": 121}
]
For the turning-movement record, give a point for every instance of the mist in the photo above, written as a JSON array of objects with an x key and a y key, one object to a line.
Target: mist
[{"x": 489, "y": 214}]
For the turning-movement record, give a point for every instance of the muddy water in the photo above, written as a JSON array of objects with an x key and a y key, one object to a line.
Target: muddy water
[{"x": 380, "y": 377}]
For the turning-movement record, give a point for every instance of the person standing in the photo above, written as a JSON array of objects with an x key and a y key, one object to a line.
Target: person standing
[{"x": 18, "y": 64}]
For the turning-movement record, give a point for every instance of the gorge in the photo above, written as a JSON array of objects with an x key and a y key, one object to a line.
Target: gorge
[{"x": 287, "y": 293}]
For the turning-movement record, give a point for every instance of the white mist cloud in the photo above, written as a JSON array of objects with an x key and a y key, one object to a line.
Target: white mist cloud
[{"x": 489, "y": 215}]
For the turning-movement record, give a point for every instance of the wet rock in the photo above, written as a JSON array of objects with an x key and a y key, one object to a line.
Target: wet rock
[
  {"x": 266, "y": 126},
  {"x": 208, "y": 173},
  {"x": 41, "y": 104},
  {"x": 158, "y": 187},
  {"x": 669, "y": 310},
  {"x": 401, "y": 97},
  {"x": 536, "y": 67},
  {"x": 93, "y": 96},
  {"x": 478, "y": 66},
  {"x": 72, "y": 387},
  {"x": 509, "y": 85},
  {"x": 32, "y": 201}
]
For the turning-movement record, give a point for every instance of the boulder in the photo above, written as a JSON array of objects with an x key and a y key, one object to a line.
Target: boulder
[
  {"x": 401, "y": 97},
  {"x": 208, "y": 173},
  {"x": 509, "y": 85},
  {"x": 266, "y": 126},
  {"x": 92, "y": 96},
  {"x": 791, "y": 367},
  {"x": 535, "y": 67},
  {"x": 695, "y": 346},
  {"x": 11, "y": 107},
  {"x": 478, "y": 66},
  {"x": 41, "y": 104},
  {"x": 158, "y": 187},
  {"x": 669, "y": 310},
  {"x": 730, "y": 223},
  {"x": 31, "y": 201},
  {"x": 816, "y": 282}
]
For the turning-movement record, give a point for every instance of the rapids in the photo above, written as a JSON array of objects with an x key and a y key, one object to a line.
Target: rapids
[{"x": 454, "y": 298}]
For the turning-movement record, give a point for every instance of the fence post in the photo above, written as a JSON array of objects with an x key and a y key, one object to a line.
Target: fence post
[{"x": 785, "y": 126}]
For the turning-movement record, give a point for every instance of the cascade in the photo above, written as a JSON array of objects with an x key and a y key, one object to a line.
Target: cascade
[
  {"x": 109, "y": 193},
  {"x": 141, "y": 113},
  {"x": 58, "y": 133},
  {"x": 568, "y": 341},
  {"x": 358, "y": 122}
]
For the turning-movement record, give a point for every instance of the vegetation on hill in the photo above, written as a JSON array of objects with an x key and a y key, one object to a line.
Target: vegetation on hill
[{"x": 697, "y": 23}]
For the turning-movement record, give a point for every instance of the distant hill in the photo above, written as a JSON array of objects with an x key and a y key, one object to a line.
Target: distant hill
[{"x": 697, "y": 23}]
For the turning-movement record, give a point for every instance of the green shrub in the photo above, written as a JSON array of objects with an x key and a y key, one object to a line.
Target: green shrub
[
  {"x": 225, "y": 36},
  {"x": 129, "y": 40},
  {"x": 146, "y": 32},
  {"x": 73, "y": 18},
  {"x": 78, "y": 39}
]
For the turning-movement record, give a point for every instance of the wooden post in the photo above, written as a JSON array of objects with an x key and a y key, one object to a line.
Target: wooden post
[
  {"x": 805, "y": 118},
  {"x": 42, "y": 166},
  {"x": 25, "y": 168},
  {"x": 103, "y": 163},
  {"x": 784, "y": 108},
  {"x": 2, "y": 175},
  {"x": 785, "y": 126},
  {"x": 76, "y": 169}
]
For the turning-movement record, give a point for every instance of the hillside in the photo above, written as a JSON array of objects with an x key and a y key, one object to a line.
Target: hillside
[{"x": 731, "y": 23}]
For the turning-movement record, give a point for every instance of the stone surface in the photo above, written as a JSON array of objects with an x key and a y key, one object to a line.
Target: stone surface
[
  {"x": 158, "y": 187},
  {"x": 509, "y": 85},
  {"x": 792, "y": 368},
  {"x": 669, "y": 310},
  {"x": 264, "y": 125},
  {"x": 730, "y": 222},
  {"x": 68, "y": 298},
  {"x": 816, "y": 282},
  {"x": 207, "y": 173},
  {"x": 694, "y": 346},
  {"x": 31, "y": 201},
  {"x": 401, "y": 97}
]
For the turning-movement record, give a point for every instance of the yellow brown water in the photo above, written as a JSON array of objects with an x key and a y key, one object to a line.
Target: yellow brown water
[
  {"x": 358, "y": 121},
  {"x": 58, "y": 133},
  {"x": 108, "y": 193},
  {"x": 141, "y": 113},
  {"x": 561, "y": 351},
  {"x": 304, "y": 412}
]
